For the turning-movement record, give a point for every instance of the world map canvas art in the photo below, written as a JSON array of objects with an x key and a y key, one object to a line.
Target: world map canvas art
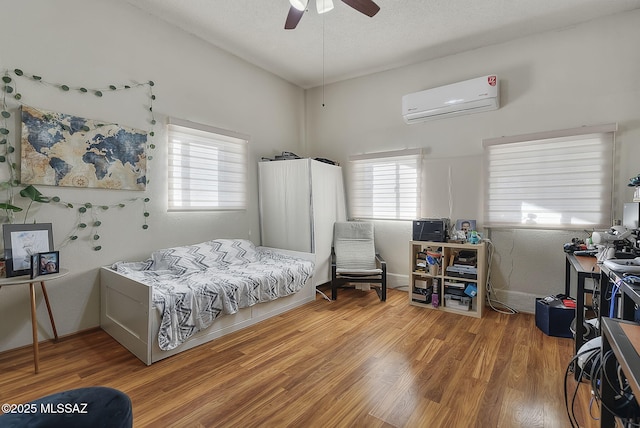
[{"x": 64, "y": 150}]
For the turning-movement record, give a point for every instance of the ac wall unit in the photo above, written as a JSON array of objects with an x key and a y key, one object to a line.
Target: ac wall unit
[{"x": 469, "y": 96}]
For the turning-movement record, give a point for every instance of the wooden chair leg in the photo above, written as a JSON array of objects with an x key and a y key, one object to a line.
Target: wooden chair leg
[{"x": 384, "y": 287}]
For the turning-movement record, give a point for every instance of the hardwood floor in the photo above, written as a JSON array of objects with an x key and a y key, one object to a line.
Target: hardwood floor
[{"x": 354, "y": 362}]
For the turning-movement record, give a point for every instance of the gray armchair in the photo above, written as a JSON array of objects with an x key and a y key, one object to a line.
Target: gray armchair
[{"x": 354, "y": 258}]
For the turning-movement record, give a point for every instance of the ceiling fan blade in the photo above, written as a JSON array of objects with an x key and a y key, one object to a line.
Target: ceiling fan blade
[
  {"x": 293, "y": 18},
  {"x": 368, "y": 7}
]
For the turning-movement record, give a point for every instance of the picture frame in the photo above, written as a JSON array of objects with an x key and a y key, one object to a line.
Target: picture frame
[
  {"x": 49, "y": 263},
  {"x": 35, "y": 265},
  {"x": 465, "y": 226},
  {"x": 21, "y": 241}
]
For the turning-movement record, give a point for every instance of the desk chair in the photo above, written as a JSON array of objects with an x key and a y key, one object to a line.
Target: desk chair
[{"x": 354, "y": 258}]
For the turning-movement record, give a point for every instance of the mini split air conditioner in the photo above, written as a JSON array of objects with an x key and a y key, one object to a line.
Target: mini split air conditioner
[{"x": 470, "y": 96}]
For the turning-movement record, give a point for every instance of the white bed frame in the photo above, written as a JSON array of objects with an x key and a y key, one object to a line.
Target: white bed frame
[{"x": 127, "y": 314}]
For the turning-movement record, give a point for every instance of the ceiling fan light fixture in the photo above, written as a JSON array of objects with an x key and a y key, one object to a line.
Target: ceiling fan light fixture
[
  {"x": 299, "y": 4},
  {"x": 324, "y": 5}
]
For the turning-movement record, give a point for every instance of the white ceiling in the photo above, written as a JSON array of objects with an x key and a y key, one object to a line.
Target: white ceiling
[{"x": 344, "y": 43}]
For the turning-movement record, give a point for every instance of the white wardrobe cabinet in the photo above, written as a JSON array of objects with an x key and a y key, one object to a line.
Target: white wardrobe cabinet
[{"x": 300, "y": 200}]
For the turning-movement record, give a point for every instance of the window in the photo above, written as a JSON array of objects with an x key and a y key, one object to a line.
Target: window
[
  {"x": 207, "y": 168},
  {"x": 386, "y": 185},
  {"x": 553, "y": 180}
]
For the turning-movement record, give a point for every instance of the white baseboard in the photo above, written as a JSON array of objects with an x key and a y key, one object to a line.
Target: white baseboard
[
  {"x": 396, "y": 280},
  {"x": 522, "y": 302}
]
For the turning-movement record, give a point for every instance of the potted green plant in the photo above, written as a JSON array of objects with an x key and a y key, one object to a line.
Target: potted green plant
[
  {"x": 29, "y": 192},
  {"x": 33, "y": 195}
]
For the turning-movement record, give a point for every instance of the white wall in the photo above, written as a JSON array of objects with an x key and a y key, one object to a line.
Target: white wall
[
  {"x": 583, "y": 75},
  {"x": 587, "y": 74},
  {"x": 94, "y": 44}
]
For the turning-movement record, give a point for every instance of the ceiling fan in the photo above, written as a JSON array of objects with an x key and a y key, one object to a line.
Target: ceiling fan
[{"x": 368, "y": 7}]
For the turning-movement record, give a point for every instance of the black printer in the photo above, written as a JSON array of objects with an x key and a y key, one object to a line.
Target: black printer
[{"x": 431, "y": 229}]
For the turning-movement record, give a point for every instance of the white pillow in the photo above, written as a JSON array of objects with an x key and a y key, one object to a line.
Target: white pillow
[
  {"x": 235, "y": 251},
  {"x": 187, "y": 257}
]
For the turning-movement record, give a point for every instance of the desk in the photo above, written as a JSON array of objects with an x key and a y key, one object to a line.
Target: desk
[
  {"x": 25, "y": 279},
  {"x": 623, "y": 339},
  {"x": 585, "y": 267}
]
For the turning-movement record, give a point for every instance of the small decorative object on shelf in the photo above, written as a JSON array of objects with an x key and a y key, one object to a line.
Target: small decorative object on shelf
[
  {"x": 448, "y": 276},
  {"x": 435, "y": 301},
  {"x": 635, "y": 182}
]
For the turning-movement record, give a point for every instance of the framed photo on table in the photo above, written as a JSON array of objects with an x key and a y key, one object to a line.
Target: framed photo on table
[
  {"x": 21, "y": 241},
  {"x": 35, "y": 265},
  {"x": 48, "y": 263}
]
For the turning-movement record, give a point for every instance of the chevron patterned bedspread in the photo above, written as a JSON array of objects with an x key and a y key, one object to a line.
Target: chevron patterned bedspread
[{"x": 195, "y": 284}]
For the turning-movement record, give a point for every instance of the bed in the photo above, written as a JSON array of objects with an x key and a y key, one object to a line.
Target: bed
[{"x": 182, "y": 297}]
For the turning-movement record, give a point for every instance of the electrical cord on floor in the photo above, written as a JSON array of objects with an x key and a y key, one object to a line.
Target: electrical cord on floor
[
  {"x": 323, "y": 295},
  {"x": 626, "y": 408},
  {"x": 592, "y": 401},
  {"x": 503, "y": 307},
  {"x": 593, "y": 371},
  {"x": 571, "y": 368}
]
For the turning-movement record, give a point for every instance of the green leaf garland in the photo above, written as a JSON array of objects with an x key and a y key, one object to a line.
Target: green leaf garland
[
  {"x": 89, "y": 228},
  {"x": 7, "y": 150}
]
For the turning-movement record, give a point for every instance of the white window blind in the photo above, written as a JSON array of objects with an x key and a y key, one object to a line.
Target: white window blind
[
  {"x": 207, "y": 168},
  {"x": 553, "y": 180},
  {"x": 386, "y": 185}
]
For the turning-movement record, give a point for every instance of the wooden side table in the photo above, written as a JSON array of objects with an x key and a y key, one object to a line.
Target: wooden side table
[{"x": 25, "y": 279}]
